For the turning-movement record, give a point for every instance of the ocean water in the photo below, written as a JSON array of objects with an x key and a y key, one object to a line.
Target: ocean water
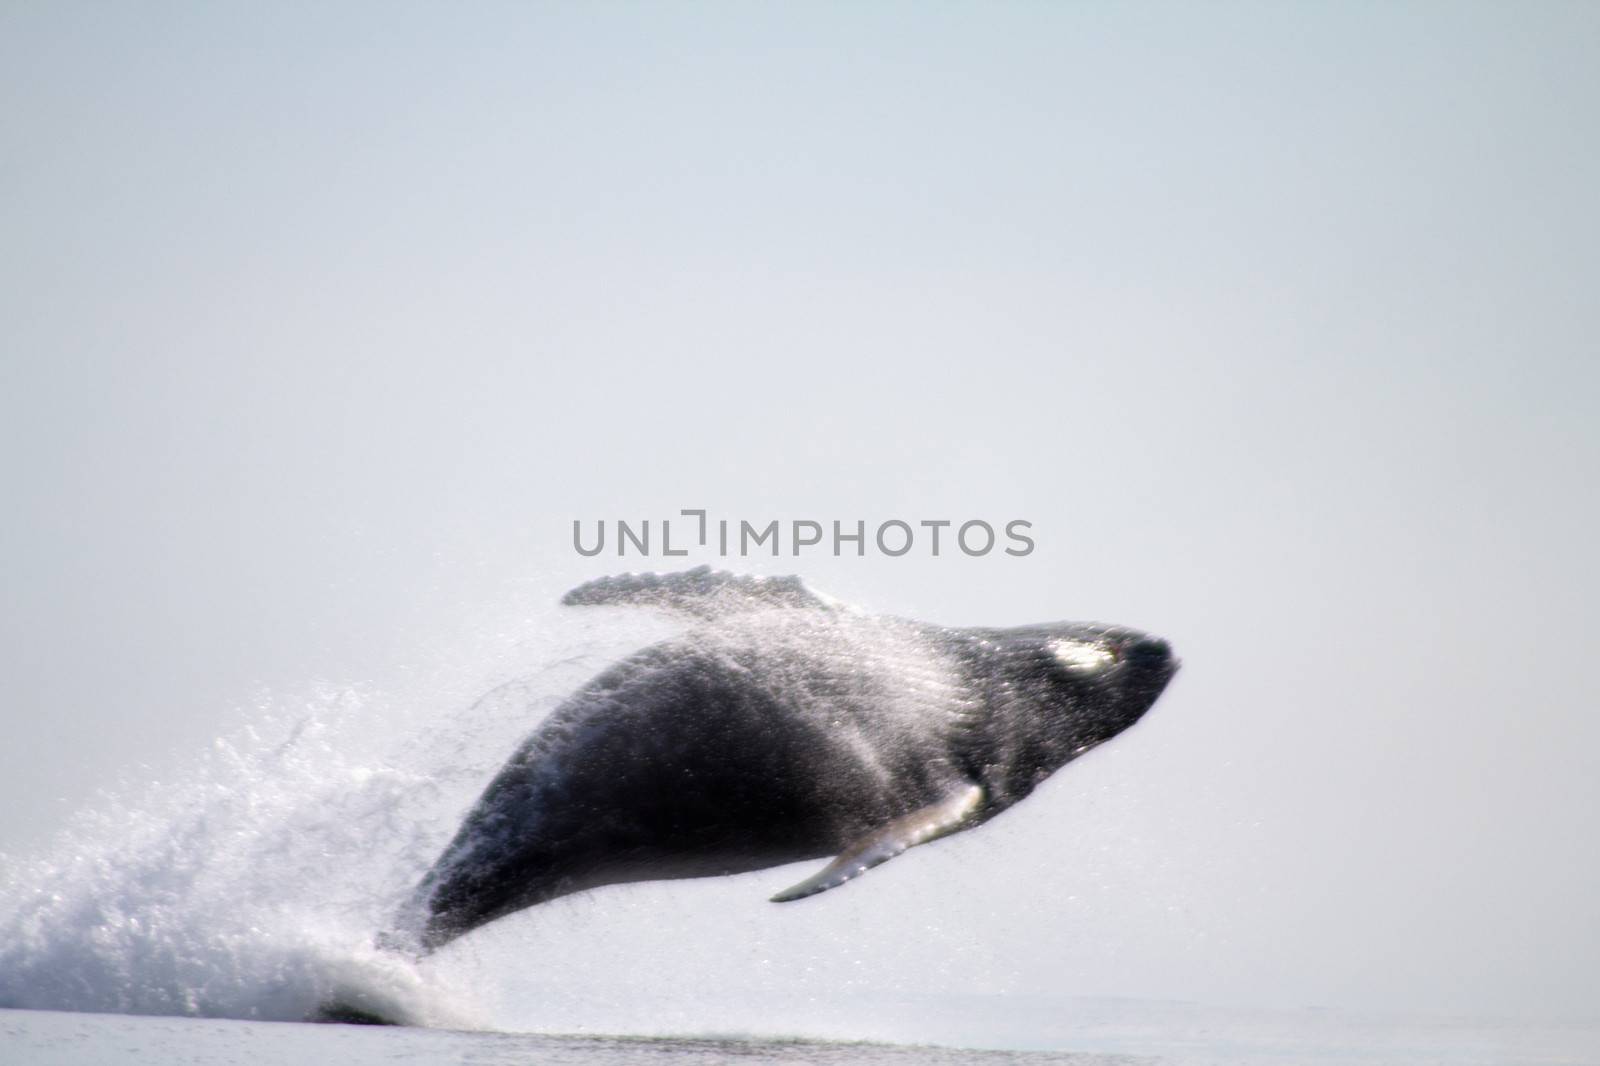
[
  {"x": 43, "y": 1039},
  {"x": 1103, "y": 1034},
  {"x": 201, "y": 915}
]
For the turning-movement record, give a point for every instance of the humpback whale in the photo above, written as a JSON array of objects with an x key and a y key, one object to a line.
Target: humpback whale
[{"x": 781, "y": 726}]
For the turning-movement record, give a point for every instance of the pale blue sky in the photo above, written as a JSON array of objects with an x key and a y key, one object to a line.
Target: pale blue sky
[{"x": 319, "y": 325}]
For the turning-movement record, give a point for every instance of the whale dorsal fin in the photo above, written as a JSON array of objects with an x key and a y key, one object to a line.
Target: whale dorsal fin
[
  {"x": 702, "y": 592},
  {"x": 947, "y": 816}
]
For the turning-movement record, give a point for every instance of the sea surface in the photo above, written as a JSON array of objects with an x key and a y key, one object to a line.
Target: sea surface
[{"x": 1106, "y": 1033}]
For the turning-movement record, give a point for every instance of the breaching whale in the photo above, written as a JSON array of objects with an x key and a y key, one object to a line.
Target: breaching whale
[{"x": 781, "y": 726}]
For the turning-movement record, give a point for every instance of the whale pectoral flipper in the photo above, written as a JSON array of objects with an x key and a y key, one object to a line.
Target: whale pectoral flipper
[
  {"x": 701, "y": 593},
  {"x": 878, "y": 847}
]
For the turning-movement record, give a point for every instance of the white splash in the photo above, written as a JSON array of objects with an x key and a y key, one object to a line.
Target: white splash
[{"x": 249, "y": 890}]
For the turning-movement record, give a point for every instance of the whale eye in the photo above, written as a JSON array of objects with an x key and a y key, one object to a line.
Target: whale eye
[{"x": 1082, "y": 656}]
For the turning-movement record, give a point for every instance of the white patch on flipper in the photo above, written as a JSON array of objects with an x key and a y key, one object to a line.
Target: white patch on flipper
[
  {"x": 1082, "y": 656},
  {"x": 878, "y": 847}
]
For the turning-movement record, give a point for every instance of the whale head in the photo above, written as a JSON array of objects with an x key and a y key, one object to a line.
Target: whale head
[
  {"x": 1103, "y": 678},
  {"x": 1060, "y": 689}
]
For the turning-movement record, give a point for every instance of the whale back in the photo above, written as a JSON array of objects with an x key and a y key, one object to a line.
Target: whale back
[{"x": 700, "y": 593}]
